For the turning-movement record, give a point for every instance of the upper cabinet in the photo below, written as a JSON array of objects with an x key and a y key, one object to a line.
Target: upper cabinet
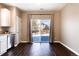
[{"x": 4, "y": 17}]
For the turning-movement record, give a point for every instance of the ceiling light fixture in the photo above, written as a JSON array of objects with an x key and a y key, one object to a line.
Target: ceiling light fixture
[{"x": 41, "y": 9}]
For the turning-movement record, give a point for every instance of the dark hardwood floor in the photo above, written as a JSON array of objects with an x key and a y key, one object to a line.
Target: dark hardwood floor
[
  {"x": 39, "y": 49},
  {"x": 60, "y": 50}
]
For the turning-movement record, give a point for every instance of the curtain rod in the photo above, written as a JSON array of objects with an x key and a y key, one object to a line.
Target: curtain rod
[{"x": 40, "y": 14}]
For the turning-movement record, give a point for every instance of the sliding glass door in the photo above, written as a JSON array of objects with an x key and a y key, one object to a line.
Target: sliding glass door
[{"x": 40, "y": 30}]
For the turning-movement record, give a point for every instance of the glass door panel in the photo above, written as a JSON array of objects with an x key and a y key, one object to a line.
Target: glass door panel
[
  {"x": 35, "y": 26},
  {"x": 40, "y": 30},
  {"x": 45, "y": 30}
]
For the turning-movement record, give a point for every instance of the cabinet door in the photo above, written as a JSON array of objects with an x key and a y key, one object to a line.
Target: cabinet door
[
  {"x": 17, "y": 41},
  {"x": 3, "y": 44},
  {"x": 9, "y": 42},
  {"x": 5, "y": 17},
  {"x": 18, "y": 30}
]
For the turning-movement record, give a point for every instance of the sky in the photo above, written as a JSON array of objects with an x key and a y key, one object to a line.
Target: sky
[{"x": 47, "y": 22}]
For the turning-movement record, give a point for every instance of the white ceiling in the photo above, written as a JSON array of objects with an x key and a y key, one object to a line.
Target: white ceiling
[{"x": 40, "y": 6}]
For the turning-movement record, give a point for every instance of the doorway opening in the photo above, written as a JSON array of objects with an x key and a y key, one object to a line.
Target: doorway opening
[{"x": 40, "y": 30}]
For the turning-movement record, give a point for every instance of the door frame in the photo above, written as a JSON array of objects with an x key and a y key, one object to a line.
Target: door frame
[
  {"x": 31, "y": 32},
  {"x": 51, "y": 38}
]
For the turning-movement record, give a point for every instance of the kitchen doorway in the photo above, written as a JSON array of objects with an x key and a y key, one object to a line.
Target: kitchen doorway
[{"x": 40, "y": 30}]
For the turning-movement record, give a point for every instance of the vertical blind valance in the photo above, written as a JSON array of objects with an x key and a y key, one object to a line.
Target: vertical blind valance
[{"x": 40, "y": 16}]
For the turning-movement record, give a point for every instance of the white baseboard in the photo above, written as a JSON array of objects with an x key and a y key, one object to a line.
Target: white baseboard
[
  {"x": 56, "y": 41},
  {"x": 69, "y": 48},
  {"x": 16, "y": 44},
  {"x": 24, "y": 41}
]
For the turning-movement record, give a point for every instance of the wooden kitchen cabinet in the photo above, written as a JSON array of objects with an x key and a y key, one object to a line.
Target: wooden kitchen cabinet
[
  {"x": 3, "y": 44},
  {"x": 4, "y": 17}
]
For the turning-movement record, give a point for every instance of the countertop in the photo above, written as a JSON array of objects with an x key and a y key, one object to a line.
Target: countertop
[{"x": 7, "y": 34}]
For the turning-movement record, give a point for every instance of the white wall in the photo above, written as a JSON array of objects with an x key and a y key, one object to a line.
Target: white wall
[{"x": 70, "y": 26}]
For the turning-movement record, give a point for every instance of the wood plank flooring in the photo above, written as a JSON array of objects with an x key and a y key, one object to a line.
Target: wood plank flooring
[{"x": 39, "y": 49}]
